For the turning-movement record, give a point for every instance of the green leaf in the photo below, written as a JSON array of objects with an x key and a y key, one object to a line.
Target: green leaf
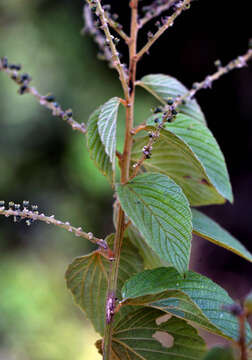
[
  {"x": 158, "y": 208},
  {"x": 107, "y": 127},
  {"x": 164, "y": 87},
  {"x": 187, "y": 152},
  {"x": 96, "y": 147},
  {"x": 140, "y": 336},
  {"x": 220, "y": 353},
  {"x": 194, "y": 298},
  {"x": 87, "y": 279},
  {"x": 151, "y": 259},
  {"x": 205, "y": 227}
]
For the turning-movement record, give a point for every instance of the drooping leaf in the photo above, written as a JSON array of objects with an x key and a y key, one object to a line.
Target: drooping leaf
[
  {"x": 187, "y": 152},
  {"x": 87, "y": 279},
  {"x": 107, "y": 127},
  {"x": 160, "y": 211},
  {"x": 208, "y": 229},
  {"x": 151, "y": 259},
  {"x": 164, "y": 87},
  {"x": 96, "y": 147},
  {"x": 194, "y": 298},
  {"x": 220, "y": 353},
  {"x": 139, "y": 336}
]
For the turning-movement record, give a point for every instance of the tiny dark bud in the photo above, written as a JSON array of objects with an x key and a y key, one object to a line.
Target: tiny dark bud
[
  {"x": 183, "y": 102},
  {"x": 69, "y": 113},
  {"x": 4, "y": 61},
  {"x": 55, "y": 104},
  {"x": 174, "y": 112},
  {"x": 157, "y": 110},
  {"x": 25, "y": 77},
  {"x": 25, "y": 204},
  {"x": 156, "y": 120},
  {"x": 116, "y": 41},
  {"x": 22, "y": 90},
  {"x": 49, "y": 98},
  {"x": 170, "y": 101},
  {"x": 14, "y": 77},
  {"x": 15, "y": 67}
]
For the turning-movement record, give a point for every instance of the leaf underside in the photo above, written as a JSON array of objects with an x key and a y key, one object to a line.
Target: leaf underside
[
  {"x": 187, "y": 152},
  {"x": 87, "y": 279},
  {"x": 220, "y": 353},
  {"x": 107, "y": 127},
  {"x": 96, "y": 147},
  {"x": 158, "y": 208},
  {"x": 208, "y": 229},
  {"x": 164, "y": 87},
  {"x": 194, "y": 298},
  {"x": 139, "y": 337}
]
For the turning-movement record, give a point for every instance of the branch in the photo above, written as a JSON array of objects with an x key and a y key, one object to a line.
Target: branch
[
  {"x": 97, "y": 8},
  {"x": 48, "y": 101},
  {"x": 168, "y": 22},
  {"x": 239, "y": 62},
  {"x": 155, "y": 10},
  {"x": 170, "y": 110},
  {"x": 33, "y": 215}
]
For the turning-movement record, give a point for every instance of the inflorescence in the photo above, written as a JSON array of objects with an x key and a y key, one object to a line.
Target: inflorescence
[
  {"x": 48, "y": 101},
  {"x": 31, "y": 214}
]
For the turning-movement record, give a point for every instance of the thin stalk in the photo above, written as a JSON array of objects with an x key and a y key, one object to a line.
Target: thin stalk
[
  {"x": 113, "y": 275},
  {"x": 169, "y": 22}
]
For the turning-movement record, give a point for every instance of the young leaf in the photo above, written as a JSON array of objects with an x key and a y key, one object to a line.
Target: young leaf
[
  {"x": 194, "y": 298},
  {"x": 208, "y": 229},
  {"x": 140, "y": 336},
  {"x": 220, "y": 353},
  {"x": 87, "y": 278},
  {"x": 164, "y": 87},
  {"x": 96, "y": 147},
  {"x": 160, "y": 211},
  {"x": 107, "y": 127},
  {"x": 187, "y": 152},
  {"x": 151, "y": 259}
]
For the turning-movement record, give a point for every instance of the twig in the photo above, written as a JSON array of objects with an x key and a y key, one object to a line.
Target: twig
[
  {"x": 33, "y": 215},
  {"x": 168, "y": 22},
  {"x": 155, "y": 11},
  {"x": 96, "y": 6},
  {"x": 48, "y": 101},
  {"x": 116, "y": 27},
  {"x": 239, "y": 62}
]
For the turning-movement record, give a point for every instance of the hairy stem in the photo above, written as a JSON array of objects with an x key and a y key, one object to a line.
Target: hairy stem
[{"x": 113, "y": 276}]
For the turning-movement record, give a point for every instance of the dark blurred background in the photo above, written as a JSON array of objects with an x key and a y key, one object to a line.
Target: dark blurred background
[{"x": 44, "y": 161}]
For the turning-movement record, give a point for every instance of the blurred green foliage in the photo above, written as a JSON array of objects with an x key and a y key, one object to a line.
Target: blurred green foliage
[{"x": 44, "y": 161}]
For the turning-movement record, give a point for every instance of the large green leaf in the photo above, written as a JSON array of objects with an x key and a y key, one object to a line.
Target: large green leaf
[
  {"x": 151, "y": 259},
  {"x": 107, "y": 127},
  {"x": 194, "y": 298},
  {"x": 96, "y": 147},
  {"x": 139, "y": 336},
  {"x": 187, "y": 152},
  {"x": 164, "y": 87},
  {"x": 87, "y": 278},
  {"x": 205, "y": 227},
  {"x": 220, "y": 353},
  {"x": 160, "y": 211}
]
